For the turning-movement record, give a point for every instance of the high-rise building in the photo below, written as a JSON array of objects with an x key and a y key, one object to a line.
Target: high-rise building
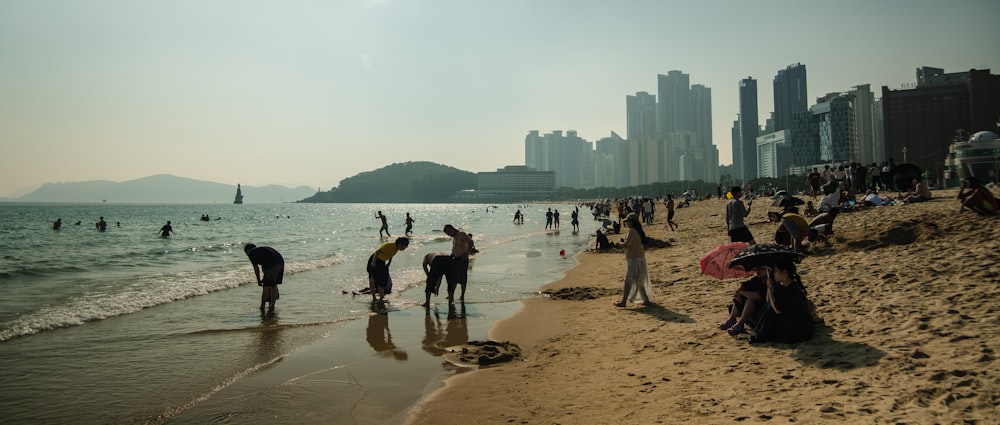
[
  {"x": 640, "y": 115},
  {"x": 790, "y": 95},
  {"x": 864, "y": 123},
  {"x": 834, "y": 118},
  {"x": 701, "y": 106},
  {"x": 773, "y": 155},
  {"x": 673, "y": 109},
  {"x": 567, "y": 155},
  {"x": 749, "y": 130},
  {"x": 737, "y": 148}
]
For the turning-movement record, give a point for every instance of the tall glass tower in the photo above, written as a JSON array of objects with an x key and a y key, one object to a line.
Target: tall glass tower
[
  {"x": 746, "y": 164},
  {"x": 790, "y": 95}
]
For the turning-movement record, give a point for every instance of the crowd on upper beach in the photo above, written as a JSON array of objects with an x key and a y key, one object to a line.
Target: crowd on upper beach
[{"x": 773, "y": 304}]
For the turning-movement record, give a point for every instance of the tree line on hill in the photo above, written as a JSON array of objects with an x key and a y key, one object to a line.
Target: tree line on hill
[{"x": 428, "y": 182}]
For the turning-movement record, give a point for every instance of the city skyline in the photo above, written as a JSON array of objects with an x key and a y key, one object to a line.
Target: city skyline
[{"x": 292, "y": 94}]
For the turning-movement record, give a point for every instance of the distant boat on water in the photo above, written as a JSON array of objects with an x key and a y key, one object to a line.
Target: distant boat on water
[{"x": 239, "y": 195}]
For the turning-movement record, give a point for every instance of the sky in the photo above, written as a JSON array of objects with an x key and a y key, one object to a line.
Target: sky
[{"x": 311, "y": 92}]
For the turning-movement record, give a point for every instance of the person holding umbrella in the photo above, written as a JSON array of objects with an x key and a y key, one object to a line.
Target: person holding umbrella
[{"x": 787, "y": 315}]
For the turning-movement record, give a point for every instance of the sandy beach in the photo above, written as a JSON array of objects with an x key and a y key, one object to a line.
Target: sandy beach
[{"x": 908, "y": 294}]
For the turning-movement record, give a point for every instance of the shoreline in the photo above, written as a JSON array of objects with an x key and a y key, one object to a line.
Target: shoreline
[{"x": 905, "y": 292}]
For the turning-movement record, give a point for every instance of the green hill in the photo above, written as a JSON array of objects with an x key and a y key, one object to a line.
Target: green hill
[{"x": 409, "y": 182}]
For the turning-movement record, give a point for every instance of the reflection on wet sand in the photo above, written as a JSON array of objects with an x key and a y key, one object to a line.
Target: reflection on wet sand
[{"x": 380, "y": 337}]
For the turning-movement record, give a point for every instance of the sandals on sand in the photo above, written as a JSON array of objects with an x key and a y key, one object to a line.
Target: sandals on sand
[
  {"x": 726, "y": 325},
  {"x": 736, "y": 330},
  {"x": 619, "y": 304}
]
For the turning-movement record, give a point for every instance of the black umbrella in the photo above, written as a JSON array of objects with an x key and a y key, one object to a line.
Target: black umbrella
[
  {"x": 902, "y": 176},
  {"x": 764, "y": 255},
  {"x": 788, "y": 201}
]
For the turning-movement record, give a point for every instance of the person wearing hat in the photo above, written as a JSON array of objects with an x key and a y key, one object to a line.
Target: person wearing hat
[
  {"x": 793, "y": 228},
  {"x": 735, "y": 213}
]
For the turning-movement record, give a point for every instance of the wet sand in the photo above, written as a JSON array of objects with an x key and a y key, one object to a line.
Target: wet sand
[{"x": 908, "y": 294}]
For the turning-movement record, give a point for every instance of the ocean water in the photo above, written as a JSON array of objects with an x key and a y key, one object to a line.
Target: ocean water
[{"x": 124, "y": 326}]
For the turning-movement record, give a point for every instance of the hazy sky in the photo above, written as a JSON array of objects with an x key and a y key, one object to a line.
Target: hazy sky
[{"x": 311, "y": 92}]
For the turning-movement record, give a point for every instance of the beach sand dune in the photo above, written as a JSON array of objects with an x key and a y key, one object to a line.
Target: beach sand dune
[{"x": 909, "y": 298}]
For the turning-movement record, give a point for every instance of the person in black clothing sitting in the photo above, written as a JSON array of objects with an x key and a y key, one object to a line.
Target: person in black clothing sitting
[{"x": 787, "y": 316}]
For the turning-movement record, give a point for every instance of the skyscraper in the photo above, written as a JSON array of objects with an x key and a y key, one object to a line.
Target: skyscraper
[
  {"x": 673, "y": 110},
  {"x": 864, "y": 124},
  {"x": 640, "y": 115},
  {"x": 701, "y": 106},
  {"x": 749, "y": 130},
  {"x": 790, "y": 95}
]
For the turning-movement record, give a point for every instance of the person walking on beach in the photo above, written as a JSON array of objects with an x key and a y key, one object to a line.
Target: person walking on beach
[
  {"x": 461, "y": 247},
  {"x": 555, "y": 219},
  {"x": 548, "y": 219},
  {"x": 268, "y": 260},
  {"x": 385, "y": 225},
  {"x": 518, "y": 217},
  {"x": 166, "y": 230},
  {"x": 575, "y": 220},
  {"x": 378, "y": 267},
  {"x": 636, "y": 273},
  {"x": 409, "y": 225},
  {"x": 735, "y": 213},
  {"x": 670, "y": 212}
]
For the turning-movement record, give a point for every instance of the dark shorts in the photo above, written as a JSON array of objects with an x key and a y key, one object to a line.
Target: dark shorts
[
  {"x": 740, "y": 234},
  {"x": 460, "y": 270},
  {"x": 440, "y": 267},
  {"x": 378, "y": 275},
  {"x": 273, "y": 275}
]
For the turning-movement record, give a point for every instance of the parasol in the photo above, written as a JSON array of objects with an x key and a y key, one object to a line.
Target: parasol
[
  {"x": 903, "y": 175},
  {"x": 715, "y": 263},
  {"x": 788, "y": 201},
  {"x": 764, "y": 255}
]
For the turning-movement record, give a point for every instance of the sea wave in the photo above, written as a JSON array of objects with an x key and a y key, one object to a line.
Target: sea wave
[{"x": 141, "y": 293}]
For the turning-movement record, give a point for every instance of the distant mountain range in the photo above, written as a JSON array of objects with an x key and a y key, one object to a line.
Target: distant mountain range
[{"x": 161, "y": 188}]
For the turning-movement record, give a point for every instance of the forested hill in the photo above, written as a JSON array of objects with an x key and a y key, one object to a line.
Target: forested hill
[{"x": 406, "y": 182}]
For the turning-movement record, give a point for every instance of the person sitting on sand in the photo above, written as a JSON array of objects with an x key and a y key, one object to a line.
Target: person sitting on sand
[
  {"x": 787, "y": 316},
  {"x": 810, "y": 210},
  {"x": 920, "y": 193},
  {"x": 831, "y": 199},
  {"x": 977, "y": 198},
  {"x": 746, "y": 300},
  {"x": 602, "y": 243}
]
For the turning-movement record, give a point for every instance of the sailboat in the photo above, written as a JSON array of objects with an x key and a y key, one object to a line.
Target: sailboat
[{"x": 239, "y": 195}]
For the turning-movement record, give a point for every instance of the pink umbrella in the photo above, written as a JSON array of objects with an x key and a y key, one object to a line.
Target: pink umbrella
[{"x": 715, "y": 263}]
